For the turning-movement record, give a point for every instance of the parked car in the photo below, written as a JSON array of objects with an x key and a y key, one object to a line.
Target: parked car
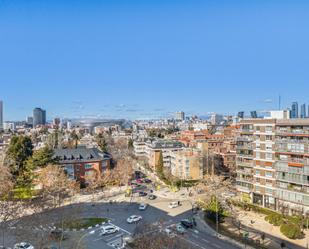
[
  {"x": 139, "y": 180},
  {"x": 142, "y": 193},
  {"x": 23, "y": 245},
  {"x": 170, "y": 232},
  {"x": 142, "y": 206},
  {"x": 134, "y": 219},
  {"x": 180, "y": 229},
  {"x": 58, "y": 234},
  {"x": 187, "y": 223},
  {"x": 147, "y": 180},
  {"x": 152, "y": 197},
  {"x": 109, "y": 229},
  {"x": 174, "y": 204}
]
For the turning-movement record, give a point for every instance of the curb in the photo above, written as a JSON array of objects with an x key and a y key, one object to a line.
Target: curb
[{"x": 220, "y": 236}]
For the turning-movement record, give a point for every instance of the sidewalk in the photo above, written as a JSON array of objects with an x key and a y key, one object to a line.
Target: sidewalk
[{"x": 203, "y": 226}]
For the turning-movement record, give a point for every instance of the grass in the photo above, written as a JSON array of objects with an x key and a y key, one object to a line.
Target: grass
[
  {"x": 83, "y": 223},
  {"x": 23, "y": 193}
]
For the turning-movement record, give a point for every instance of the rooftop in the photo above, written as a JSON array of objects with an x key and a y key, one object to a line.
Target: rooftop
[{"x": 80, "y": 154}]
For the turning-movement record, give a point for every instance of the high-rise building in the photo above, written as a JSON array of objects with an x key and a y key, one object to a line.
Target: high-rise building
[
  {"x": 1, "y": 114},
  {"x": 29, "y": 121},
  {"x": 39, "y": 117},
  {"x": 241, "y": 114},
  {"x": 294, "y": 110},
  {"x": 253, "y": 114},
  {"x": 216, "y": 119},
  {"x": 303, "y": 111},
  {"x": 180, "y": 116},
  {"x": 273, "y": 164}
]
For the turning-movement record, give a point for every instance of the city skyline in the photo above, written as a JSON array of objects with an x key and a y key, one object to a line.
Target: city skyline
[{"x": 143, "y": 60}]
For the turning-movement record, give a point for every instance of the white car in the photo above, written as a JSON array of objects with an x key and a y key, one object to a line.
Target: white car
[
  {"x": 170, "y": 232},
  {"x": 134, "y": 219},
  {"x": 142, "y": 207},
  {"x": 180, "y": 229},
  {"x": 109, "y": 229},
  {"x": 173, "y": 204},
  {"x": 23, "y": 245}
]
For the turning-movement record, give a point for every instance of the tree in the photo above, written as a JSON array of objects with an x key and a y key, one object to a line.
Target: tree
[
  {"x": 54, "y": 185},
  {"x": 41, "y": 158},
  {"x": 102, "y": 142},
  {"x": 75, "y": 138},
  {"x": 214, "y": 210},
  {"x": 130, "y": 143},
  {"x": 291, "y": 230},
  {"x": 160, "y": 166},
  {"x": 19, "y": 151}
]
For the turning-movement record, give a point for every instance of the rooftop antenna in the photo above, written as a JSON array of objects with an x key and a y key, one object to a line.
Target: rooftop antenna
[{"x": 279, "y": 102}]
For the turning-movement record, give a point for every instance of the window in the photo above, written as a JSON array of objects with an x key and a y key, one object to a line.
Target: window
[
  {"x": 269, "y": 129},
  {"x": 269, "y": 156},
  {"x": 257, "y": 155},
  {"x": 268, "y": 174},
  {"x": 88, "y": 166},
  {"x": 268, "y": 138},
  {"x": 257, "y": 172}
]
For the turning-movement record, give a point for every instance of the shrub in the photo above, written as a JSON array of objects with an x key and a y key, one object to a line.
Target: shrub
[
  {"x": 275, "y": 219},
  {"x": 291, "y": 230}
]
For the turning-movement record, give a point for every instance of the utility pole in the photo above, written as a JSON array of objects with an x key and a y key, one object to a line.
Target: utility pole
[
  {"x": 213, "y": 167},
  {"x": 307, "y": 230},
  {"x": 217, "y": 213}
]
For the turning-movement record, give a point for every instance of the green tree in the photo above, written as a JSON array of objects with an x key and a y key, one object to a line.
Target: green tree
[
  {"x": 160, "y": 166},
  {"x": 19, "y": 151},
  {"x": 130, "y": 143},
  {"x": 102, "y": 142},
  {"x": 75, "y": 138},
  {"x": 291, "y": 230},
  {"x": 41, "y": 158},
  {"x": 213, "y": 209}
]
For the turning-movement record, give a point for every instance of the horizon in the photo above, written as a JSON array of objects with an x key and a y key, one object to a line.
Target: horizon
[{"x": 141, "y": 59}]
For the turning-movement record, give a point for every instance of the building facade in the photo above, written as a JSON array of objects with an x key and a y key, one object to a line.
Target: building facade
[
  {"x": 39, "y": 117},
  {"x": 188, "y": 164},
  {"x": 82, "y": 161},
  {"x": 272, "y": 164}
]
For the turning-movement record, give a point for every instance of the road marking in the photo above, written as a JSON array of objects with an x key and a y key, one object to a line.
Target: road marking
[
  {"x": 205, "y": 240},
  {"x": 191, "y": 242},
  {"x": 215, "y": 245}
]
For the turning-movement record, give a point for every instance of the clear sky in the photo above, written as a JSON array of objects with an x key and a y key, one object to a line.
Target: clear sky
[{"x": 138, "y": 59}]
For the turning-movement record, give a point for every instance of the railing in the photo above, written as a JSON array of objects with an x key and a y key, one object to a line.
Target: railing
[
  {"x": 245, "y": 164},
  {"x": 299, "y": 180},
  {"x": 283, "y": 167}
]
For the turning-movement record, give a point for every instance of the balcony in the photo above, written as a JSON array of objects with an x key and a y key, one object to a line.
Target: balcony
[
  {"x": 245, "y": 164},
  {"x": 296, "y": 180},
  {"x": 244, "y": 179},
  {"x": 244, "y": 171},
  {"x": 283, "y": 166},
  {"x": 244, "y": 139}
]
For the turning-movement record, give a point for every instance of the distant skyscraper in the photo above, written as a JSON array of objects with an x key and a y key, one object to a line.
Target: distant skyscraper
[
  {"x": 241, "y": 114},
  {"x": 294, "y": 110},
  {"x": 30, "y": 121},
  {"x": 253, "y": 114},
  {"x": 39, "y": 117},
  {"x": 1, "y": 114},
  {"x": 303, "y": 111},
  {"x": 180, "y": 116}
]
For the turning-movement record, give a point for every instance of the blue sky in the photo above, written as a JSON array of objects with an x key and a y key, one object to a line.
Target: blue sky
[{"x": 138, "y": 59}]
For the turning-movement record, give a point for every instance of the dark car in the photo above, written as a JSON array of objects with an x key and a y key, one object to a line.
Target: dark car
[
  {"x": 187, "y": 223},
  {"x": 152, "y": 197},
  {"x": 58, "y": 234},
  {"x": 147, "y": 180},
  {"x": 142, "y": 193}
]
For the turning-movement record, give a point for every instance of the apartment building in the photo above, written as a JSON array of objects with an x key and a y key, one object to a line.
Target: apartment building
[
  {"x": 272, "y": 163},
  {"x": 188, "y": 164},
  {"x": 82, "y": 161},
  {"x": 264, "y": 178},
  {"x": 292, "y": 165},
  {"x": 166, "y": 147},
  {"x": 244, "y": 159}
]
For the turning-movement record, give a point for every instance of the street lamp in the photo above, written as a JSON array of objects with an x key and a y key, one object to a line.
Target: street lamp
[{"x": 84, "y": 236}]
